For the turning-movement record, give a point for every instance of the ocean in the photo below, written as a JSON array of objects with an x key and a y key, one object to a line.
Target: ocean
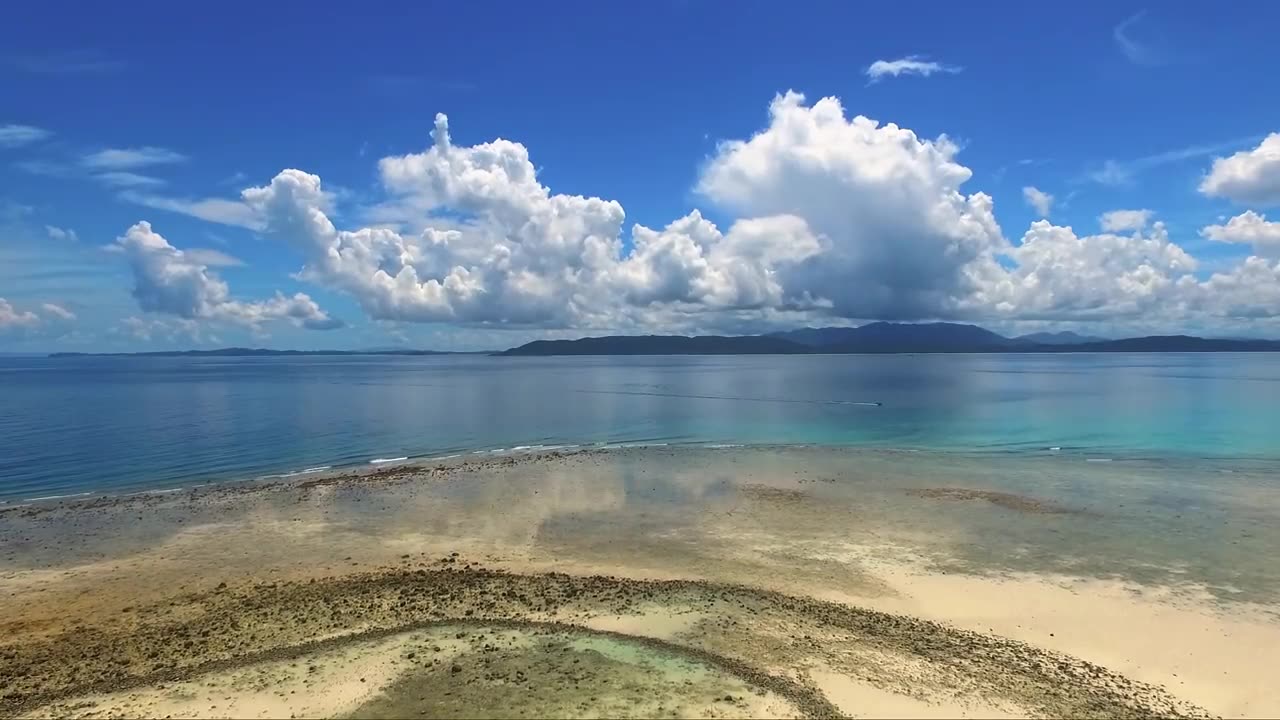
[{"x": 126, "y": 424}]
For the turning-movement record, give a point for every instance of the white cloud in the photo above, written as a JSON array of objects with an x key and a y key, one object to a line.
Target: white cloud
[
  {"x": 1057, "y": 274},
  {"x": 58, "y": 311},
  {"x": 122, "y": 179},
  {"x": 1251, "y": 291},
  {"x": 13, "y": 318},
  {"x": 1124, "y": 220},
  {"x": 57, "y": 233},
  {"x": 217, "y": 210},
  {"x": 129, "y": 158},
  {"x": 12, "y": 136},
  {"x": 831, "y": 219},
  {"x": 910, "y": 65},
  {"x": 896, "y": 230},
  {"x": 1041, "y": 201},
  {"x": 1249, "y": 176},
  {"x": 168, "y": 280},
  {"x": 1248, "y": 227},
  {"x": 516, "y": 254},
  {"x": 691, "y": 262}
]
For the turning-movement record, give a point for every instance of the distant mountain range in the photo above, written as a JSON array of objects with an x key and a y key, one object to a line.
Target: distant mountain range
[
  {"x": 1066, "y": 337},
  {"x": 883, "y": 337},
  {"x": 662, "y": 345}
]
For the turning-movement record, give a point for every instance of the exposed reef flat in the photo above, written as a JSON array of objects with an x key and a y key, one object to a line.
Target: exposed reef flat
[
  {"x": 636, "y": 582},
  {"x": 766, "y": 640}
]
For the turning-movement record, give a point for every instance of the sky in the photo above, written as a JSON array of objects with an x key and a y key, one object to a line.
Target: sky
[{"x": 476, "y": 175}]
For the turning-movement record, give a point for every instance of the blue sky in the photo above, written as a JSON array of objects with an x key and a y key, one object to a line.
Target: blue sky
[{"x": 112, "y": 115}]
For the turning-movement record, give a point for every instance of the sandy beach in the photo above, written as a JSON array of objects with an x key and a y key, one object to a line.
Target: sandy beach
[{"x": 635, "y": 582}]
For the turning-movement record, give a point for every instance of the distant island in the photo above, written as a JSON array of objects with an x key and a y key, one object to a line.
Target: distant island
[
  {"x": 883, "y": 337},
  {"x": 249, "y": 352},
  {"x": 876, "y": 337}
]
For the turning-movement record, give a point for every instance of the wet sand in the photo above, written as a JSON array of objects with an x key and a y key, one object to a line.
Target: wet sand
[{"x": 627, "y": 583}]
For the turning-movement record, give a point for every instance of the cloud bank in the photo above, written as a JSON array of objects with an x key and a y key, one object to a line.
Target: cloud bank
[{"x": 832, "y": 218}]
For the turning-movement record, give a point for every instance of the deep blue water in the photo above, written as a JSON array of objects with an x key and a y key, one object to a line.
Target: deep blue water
[{"x": 119, "y": 424}]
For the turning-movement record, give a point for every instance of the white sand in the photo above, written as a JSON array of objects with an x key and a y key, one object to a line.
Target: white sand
[{"x": 1222, "y": 659}]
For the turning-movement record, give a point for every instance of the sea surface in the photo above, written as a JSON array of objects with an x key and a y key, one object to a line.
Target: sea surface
[{"x": 128, "y": 424}]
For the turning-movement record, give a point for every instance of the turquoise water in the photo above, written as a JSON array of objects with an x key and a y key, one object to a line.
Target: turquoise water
[{"x": 74, "y": 425}]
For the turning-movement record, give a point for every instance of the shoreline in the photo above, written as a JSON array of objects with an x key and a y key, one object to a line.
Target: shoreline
[{"x": 396, "y": 465}]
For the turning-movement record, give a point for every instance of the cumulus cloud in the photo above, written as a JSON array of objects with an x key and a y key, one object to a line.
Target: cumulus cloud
[
  {"x": 13, "y": 318},
  {"x": 170, "y": 281},
  {"x": 832, "y": 218},
  {"x": 1251, "y": 290},
  {"x": 897, "y": 231},
  {"x": 12, "y": 136},
  {"x": 516, "y": 254},
  {"x": 1041, "y": 201},
  {"x": 1124, "y": 220},
  {"x": 1248, "y": 227},
  {"x": 1249, "y": 176},
  {"x": 691, "y": 263},
  {"x": 1057, "y": 274},
  {"x": 130, "y": 158},
  {"x": 910, "y": 65}
]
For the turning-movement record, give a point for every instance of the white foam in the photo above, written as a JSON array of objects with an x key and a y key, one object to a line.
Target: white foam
[
  {"x": 1055, "y": 448},
  {"x": 295, "y": 473},
  {"x": 381, "y": 461},
  {"x": 446, "y": 457},
  {"x": 723, "y": 446},
  {"x": 57, "y": 497},
  {"x": 1097, "y": 460}
]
